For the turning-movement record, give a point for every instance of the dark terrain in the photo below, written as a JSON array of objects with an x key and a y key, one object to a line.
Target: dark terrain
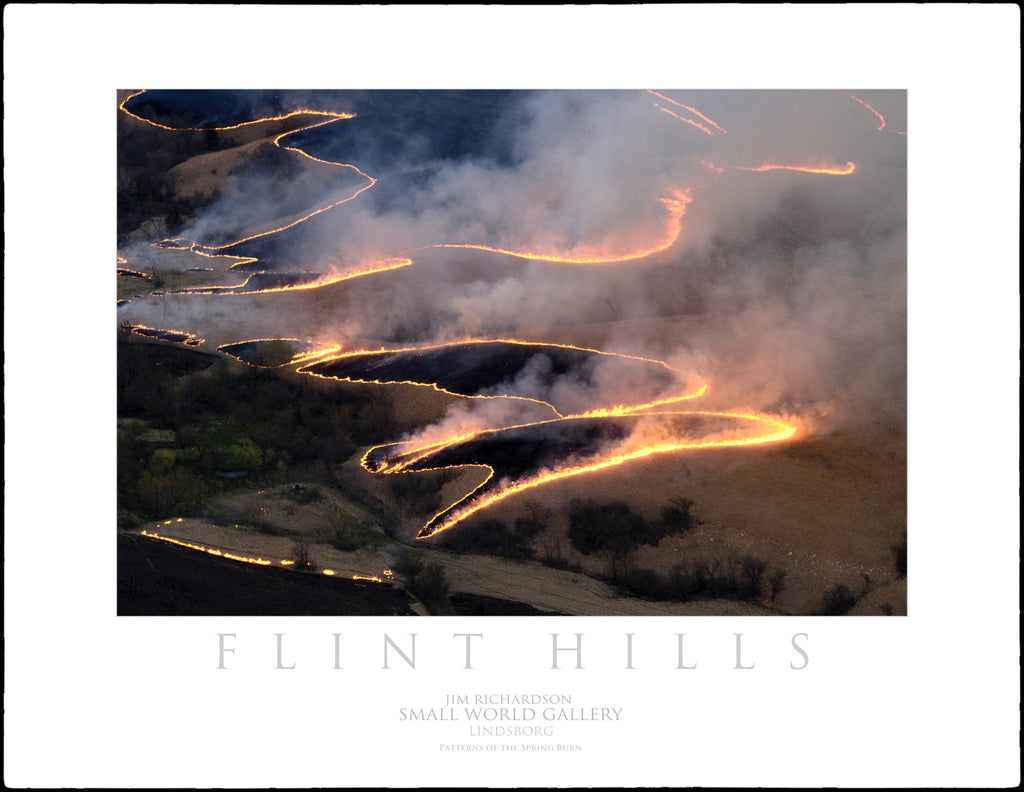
[{"x": 158, "y": 579}]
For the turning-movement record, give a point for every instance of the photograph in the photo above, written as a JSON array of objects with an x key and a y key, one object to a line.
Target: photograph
[{"x": 515, "y": 352}]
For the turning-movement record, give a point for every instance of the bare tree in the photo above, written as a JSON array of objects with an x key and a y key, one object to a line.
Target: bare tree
[{"x": 776, "y": 582}]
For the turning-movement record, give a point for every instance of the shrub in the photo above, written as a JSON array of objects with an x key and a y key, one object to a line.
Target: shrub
[
  {"x": 178, "y": 492},
  {"x": 777, "y": 582},
  {"x": 535, "y": 521},
  {"x": 899, "y": 552},
  {"x": 838, "y": 600},
  {"x": 431, "y": 585},
  {"x": 731, "y": 577},
  {"x": 752, "y": 571},
  {"x": 302, "y": 556},
  {"x": 427, "y": 581},
  {"x": 408, "y": 565},
  {"x": 677, "y": 517},
  {"x": 643, "y": 582},
  {"x": 613, "y": 527},
  {"x": 344, "y": 532}
]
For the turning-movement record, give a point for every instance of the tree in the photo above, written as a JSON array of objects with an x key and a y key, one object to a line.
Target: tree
[
  {"x": 899, "y": 552},
  {"x": 302, "y": 556},
  {"x": 677, "y": 516},
  {"x": 838, "y": 600},
  {"x": 613, "y": 529},
  {"x": 776, "y": 582}
]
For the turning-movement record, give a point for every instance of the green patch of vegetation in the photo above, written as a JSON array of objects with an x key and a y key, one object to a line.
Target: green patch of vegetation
[
  {"x": 191, "y": 427},
  {"x": 345, "y": 532}
]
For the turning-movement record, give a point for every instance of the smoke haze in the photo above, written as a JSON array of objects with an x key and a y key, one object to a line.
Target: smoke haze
[{"x": 785, "y": 290}]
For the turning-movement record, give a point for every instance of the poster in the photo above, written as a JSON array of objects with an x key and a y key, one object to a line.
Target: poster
[{"x": 926, "y": 699}]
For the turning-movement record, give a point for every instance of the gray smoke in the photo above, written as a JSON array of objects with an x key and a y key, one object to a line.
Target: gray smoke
[{"x": 786, "y": 291}]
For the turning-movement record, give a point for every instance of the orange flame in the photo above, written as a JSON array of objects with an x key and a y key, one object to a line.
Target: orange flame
[
  {"x": 592, "y": 254},
  {"x": 775, "y": 431},
  {"x": 212, "y": 550},
  {"x": 881, "y": 120},
  {"x": 328, "y": 118},
  {"x": 619, "y": 410},
  {"x": 687, "y": 120},
  {"x": 834, "y": 170}
]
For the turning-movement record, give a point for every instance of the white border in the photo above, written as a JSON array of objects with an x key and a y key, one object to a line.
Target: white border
[{"x": 929, "y": 700}]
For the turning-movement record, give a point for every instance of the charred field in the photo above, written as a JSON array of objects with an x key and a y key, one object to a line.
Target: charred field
[{"x": 511, "y": 352}]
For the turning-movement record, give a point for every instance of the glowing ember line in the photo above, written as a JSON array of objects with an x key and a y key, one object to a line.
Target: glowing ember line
[
  {"x": 329, "y": 118},
  {"x": 304, "y": 218},
  {"x": 600, "y": 412},
  {"x": 329, "y": 115},
  {"x": 834, "y": 170},
  {"x": 881, "y": 120},
  {"x": 211, "y": 550},
  {"x": 315, "y": 353},
  {"x": 693, "y": 110},
  {"x": 778, "y": 431},
  {"x": 328, "y": 280},
  {"x": 689, "y": 121},
  {"x": 676, "y": 209},
  {"x": 176, "y": 336},
  {"x": 881, "y": 124}
]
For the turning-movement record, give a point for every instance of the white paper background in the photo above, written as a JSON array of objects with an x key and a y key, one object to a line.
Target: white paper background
[{"x": 927, "y": 700}]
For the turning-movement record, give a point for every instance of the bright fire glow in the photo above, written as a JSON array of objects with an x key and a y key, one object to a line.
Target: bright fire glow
[
  {"x": 881, "y": 119},
  {"x": 756, "y": 429},
  {"x": 604, "y": 253},
  {"x": 695, "y": 111},
  {"x": 765, "y": 429},
  {"x": 597, "y": 412},
  {"x": 831, "y": 169},
  {"x": 373, "y": 268},
  {"x": 180, "y": 336},
  {"x": 212, "y": 550},
  {"x": 324, "y": 116}
]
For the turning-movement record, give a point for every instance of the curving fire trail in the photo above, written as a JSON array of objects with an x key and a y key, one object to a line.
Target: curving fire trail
[
  {"x": 706, "y": 129},
  {"x": 325, "y": 117},
  {"x": 536, "y": 453},
  {"x": 829, "y": 169},
  {"x": 605, "y": 252},
  {"x": 277, "y": 352},
  {"x": 530, "y": 455},
  {"x": 177, "y": 336},
  {"x": 387, "y": 574},
  {"x": 512, "y": 369},
  {"x": 270, "y": 282},
  {"x": 589, "y": 434},
  {"x": 881, "y": 119}
]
